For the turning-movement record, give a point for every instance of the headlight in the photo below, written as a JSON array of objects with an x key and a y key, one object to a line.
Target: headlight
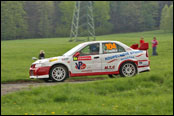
[{"x": 39, "y": 65}]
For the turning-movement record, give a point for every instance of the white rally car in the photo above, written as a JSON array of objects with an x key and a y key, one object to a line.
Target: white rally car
[{"x": 93, "y": 58}]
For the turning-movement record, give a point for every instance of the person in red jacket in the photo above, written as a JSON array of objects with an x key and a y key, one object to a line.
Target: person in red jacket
[
  {"x": 154, "y": 45},
  {"x": 141, "y": 41}
]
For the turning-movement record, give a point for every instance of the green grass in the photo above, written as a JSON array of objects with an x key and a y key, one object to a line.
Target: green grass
[
  {"x": 146, "y": 93},
  {"x": 16, "y": 54},
  {"x": 151, "y": 94}
]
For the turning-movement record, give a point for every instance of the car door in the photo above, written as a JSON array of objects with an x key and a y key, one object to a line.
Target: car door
[
  {"x": 111, "y": 56},
  {"x": 88, "y": 61}
]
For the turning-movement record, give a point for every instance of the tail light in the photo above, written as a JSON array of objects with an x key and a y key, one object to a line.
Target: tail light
[{"x": 147, "y": 55}]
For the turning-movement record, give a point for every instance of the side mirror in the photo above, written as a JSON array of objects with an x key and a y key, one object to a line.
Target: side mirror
[
  {"x": 77, "y": 54},
  {"x": 34, "y": 58}
]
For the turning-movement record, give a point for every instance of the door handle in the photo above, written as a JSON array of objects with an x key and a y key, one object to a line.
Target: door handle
[{"x": 96, "y": 57}]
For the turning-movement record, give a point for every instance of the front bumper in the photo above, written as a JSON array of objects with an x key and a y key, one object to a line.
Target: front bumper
[
  {"x": 40, "y": 72},
  {"x": 39, "y": 77}
]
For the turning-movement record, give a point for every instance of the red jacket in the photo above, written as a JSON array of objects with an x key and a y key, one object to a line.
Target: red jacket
[{"x": 154, "y": 43}]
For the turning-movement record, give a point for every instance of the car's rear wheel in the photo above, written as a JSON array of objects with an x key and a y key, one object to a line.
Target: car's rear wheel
[
  {"x": 58, "y": 73},
  {"x": 128, "y": 69}
]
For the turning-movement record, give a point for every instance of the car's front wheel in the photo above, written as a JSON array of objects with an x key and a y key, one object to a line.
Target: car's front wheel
[
  {"x": 58, "y": 73},
  {"x": 128, "y": 69}
]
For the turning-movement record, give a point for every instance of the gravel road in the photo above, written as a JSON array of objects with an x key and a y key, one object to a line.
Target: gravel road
[{"x": 13, "y": 87}]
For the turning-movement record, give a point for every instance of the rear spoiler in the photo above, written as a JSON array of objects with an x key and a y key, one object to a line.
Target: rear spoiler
[{"x": 143, "y": 46}]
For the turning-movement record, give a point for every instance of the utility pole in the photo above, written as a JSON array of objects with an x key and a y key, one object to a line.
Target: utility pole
[{"x": 82, "y": 27}]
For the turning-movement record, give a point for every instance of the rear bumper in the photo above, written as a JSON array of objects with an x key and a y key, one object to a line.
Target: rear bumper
[
  {"x": 143, "y": 69},
  {"x": 143, "y": 65},
  {"x": 41, "y": 72}
]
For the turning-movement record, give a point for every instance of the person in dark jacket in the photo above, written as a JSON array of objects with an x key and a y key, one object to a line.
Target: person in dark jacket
[{"x": 42, "y": 54}]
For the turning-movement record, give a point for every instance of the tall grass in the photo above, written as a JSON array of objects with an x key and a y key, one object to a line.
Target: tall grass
[{"x": 137, "y": 95}]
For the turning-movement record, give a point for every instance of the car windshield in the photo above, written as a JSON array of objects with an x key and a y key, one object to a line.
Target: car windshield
[{"x": 70, "y": 52}]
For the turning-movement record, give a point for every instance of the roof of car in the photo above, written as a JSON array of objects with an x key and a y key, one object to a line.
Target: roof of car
[{"x": 100, "y": 41}]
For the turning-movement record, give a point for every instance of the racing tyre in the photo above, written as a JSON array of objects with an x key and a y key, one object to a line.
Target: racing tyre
[
  {"x": 111, "y": 76},
  {"x": 128, "y": 69},
  {"x": 58, "y": 73}
]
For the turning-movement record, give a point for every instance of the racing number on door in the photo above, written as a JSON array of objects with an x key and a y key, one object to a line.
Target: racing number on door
[{"x": 110, "y": 46}]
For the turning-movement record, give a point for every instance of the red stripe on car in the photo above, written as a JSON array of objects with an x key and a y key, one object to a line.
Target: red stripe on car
[{"x": 112, "y": 60}]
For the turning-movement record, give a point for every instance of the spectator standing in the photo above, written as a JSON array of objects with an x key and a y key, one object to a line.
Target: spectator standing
[
  {"x": 42, "y": 54},
  {"x": 141, "y": 41},
  {"x": 154, "y": 46}
]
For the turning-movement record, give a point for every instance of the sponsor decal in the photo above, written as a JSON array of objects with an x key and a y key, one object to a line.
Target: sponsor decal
[
  {"x": 110, "y": 46},
  {"x": 75, "y": 58},
  {"x": 117, "y": 56},
  {"x": 64, "y": 59},
  {"x": 51, "y": 60},
  {"x": 80, "y": 58},
  {"x": 84, "y": 58},
  {"x": 136, "y": 52},
  {"x": 123, "y": 54},
  {"x": 139, "y": 55},
  {"x": 129, "y": 57},
  {"x": 143, "y": 63},
  {"x": 112, "y": 60},
  {"x": 109, "y": 67},
  {"x": 80, "y": 65}
]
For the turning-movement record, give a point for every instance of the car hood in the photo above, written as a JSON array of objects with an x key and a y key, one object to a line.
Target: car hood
[{"x": 48, "y": 59}]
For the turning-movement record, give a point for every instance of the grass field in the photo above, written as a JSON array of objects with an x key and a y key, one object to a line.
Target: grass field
[{"x": 146, "y": 93}]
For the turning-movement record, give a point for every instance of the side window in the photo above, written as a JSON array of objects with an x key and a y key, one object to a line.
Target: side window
[
  {"x": 111, "y": 47},
  {"x": 121, "y": 49},
  {"x": 92, "y": 49}
]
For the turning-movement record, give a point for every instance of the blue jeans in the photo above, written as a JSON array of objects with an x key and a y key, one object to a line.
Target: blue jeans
[{"x": 154, "y": 51}]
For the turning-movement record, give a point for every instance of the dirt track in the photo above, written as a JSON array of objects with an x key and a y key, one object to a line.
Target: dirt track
[{"x": 16, "y": 86}]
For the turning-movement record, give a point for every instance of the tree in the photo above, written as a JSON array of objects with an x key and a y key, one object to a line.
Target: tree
[
  {"x": 163, "y": 18},
  {"x": 149, "y": 13},
  {"x": 102, "y": 17},
  {"x": 46, "y": 9},
  {"x": 13, "y": 23},
  {"x": 169, "y": 19},
  {"x": 66, "y": 13}
]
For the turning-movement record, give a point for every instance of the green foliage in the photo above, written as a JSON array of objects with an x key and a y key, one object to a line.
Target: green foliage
[
  {"x": 166, "y": 22},
  {"x": 66, "y": 9},
  {"x": 101, "y": 16},
  {"x": 133, "y": 16},
  {"x": 163, "y": 18},
  {"x": 45, "y": 10},
  {"x": 33, "y": 19},
  {"x": 13, "y": 23},
  {"x": 149, "y": 13},
  {"x": 169, "y": 19}
]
